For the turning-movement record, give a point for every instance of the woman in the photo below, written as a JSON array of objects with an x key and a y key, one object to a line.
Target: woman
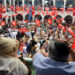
[{"x": 9, "y": 63}]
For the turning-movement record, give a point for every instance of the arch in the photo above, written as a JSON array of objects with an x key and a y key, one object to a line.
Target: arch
[
  {"x": 39, "y": 17},
  {"x": 27, "y": 17},
  {"x": 47, "y": 17},
  {"x": 19, "y": 17},
  {"x": 68, "y": 19}
]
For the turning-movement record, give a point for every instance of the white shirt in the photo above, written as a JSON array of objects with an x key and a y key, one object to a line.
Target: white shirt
[{"x": 13, "y": 35}]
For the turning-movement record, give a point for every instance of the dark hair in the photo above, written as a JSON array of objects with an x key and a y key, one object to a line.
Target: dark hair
[
  {"x": 30, "y": 2},
  {"x": 68, "y": 19},
  {"x": 58, "y": 17},
  {"x": 48, "y": 17},
  {"x": 58, "y": 50}
]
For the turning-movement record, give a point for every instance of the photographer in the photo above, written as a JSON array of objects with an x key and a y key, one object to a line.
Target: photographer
[{"x": 56, "y": 61}]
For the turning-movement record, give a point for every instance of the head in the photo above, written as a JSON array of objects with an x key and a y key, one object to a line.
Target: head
[
  {"x": 33, "y": 38},
  {"x": 8, "y": 46},
  {"x": 68, "y": 19},
  {"x": 58, "y": 50},
  {"x": 30, "y": 3}
]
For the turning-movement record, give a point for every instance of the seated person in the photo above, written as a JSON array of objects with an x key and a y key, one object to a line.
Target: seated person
[
  {"x": 9, "y": 63},
  {"x": 57, "y": 61}
]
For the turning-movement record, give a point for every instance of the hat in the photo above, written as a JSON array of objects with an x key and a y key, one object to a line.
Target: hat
[
  {"x": 58, "y": 49},
  {"x": 7, "y": 45}
]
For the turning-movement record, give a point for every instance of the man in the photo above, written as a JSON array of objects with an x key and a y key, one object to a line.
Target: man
[
  {"x": 13, "y": 34},
  {"x": 57, "y": 61},
  {"x": 33, "y": 42}
]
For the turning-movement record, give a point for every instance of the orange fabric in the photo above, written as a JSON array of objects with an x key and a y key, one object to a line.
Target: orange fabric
[
  {"x": 14, "y": 23},
  {"x": 38, "y": 22},
  {"x": 50, "y": 21},
  {"x": 73, "y": 45},
  {"x": 2, "y": 23}
]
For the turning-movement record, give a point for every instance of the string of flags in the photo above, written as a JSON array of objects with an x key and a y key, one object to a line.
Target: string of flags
[
  {"x": 54, "y": 10},
  {"x": 39, "y": 10}
]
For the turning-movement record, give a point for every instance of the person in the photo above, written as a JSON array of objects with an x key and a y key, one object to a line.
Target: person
[
  {"x": 32, "y": 31},
  {"x": 33, "y": 41},
  {"x": 13, "y": 34},
  {"x": 57, "y": 61},
  {"x": 9, "y": 62},
  {"x": 30, "y": 11}
]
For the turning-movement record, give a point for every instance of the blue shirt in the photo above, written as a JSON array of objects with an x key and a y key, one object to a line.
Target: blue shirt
[{"x": 47, "y": 66}]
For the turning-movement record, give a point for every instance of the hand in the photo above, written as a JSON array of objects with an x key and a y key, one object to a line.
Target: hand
[{"x": 42, "y": 52}]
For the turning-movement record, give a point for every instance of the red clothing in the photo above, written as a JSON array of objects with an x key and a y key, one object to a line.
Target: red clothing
[
  {"x": 0, "y": 10},
  {"x": 0, "y": 16},
  {"x": 73, "y": 45},
  {"x": 74, "y": 11}
]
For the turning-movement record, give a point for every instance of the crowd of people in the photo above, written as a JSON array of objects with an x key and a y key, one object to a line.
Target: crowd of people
[{"x": 51, "y": 45}]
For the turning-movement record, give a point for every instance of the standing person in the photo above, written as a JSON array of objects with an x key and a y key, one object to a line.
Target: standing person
[
  {"x": 30, "y": 11},
  {"x": 42, "y": 33},
  {"x": 38, "y": 31},
  {"x": 0, "y": 17},
  {"x": 32, "y": 31},
  {"x": 9, "y": 62},
  {"x": 33, "y": 41},
  {"x": 57, "y": 61}
]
